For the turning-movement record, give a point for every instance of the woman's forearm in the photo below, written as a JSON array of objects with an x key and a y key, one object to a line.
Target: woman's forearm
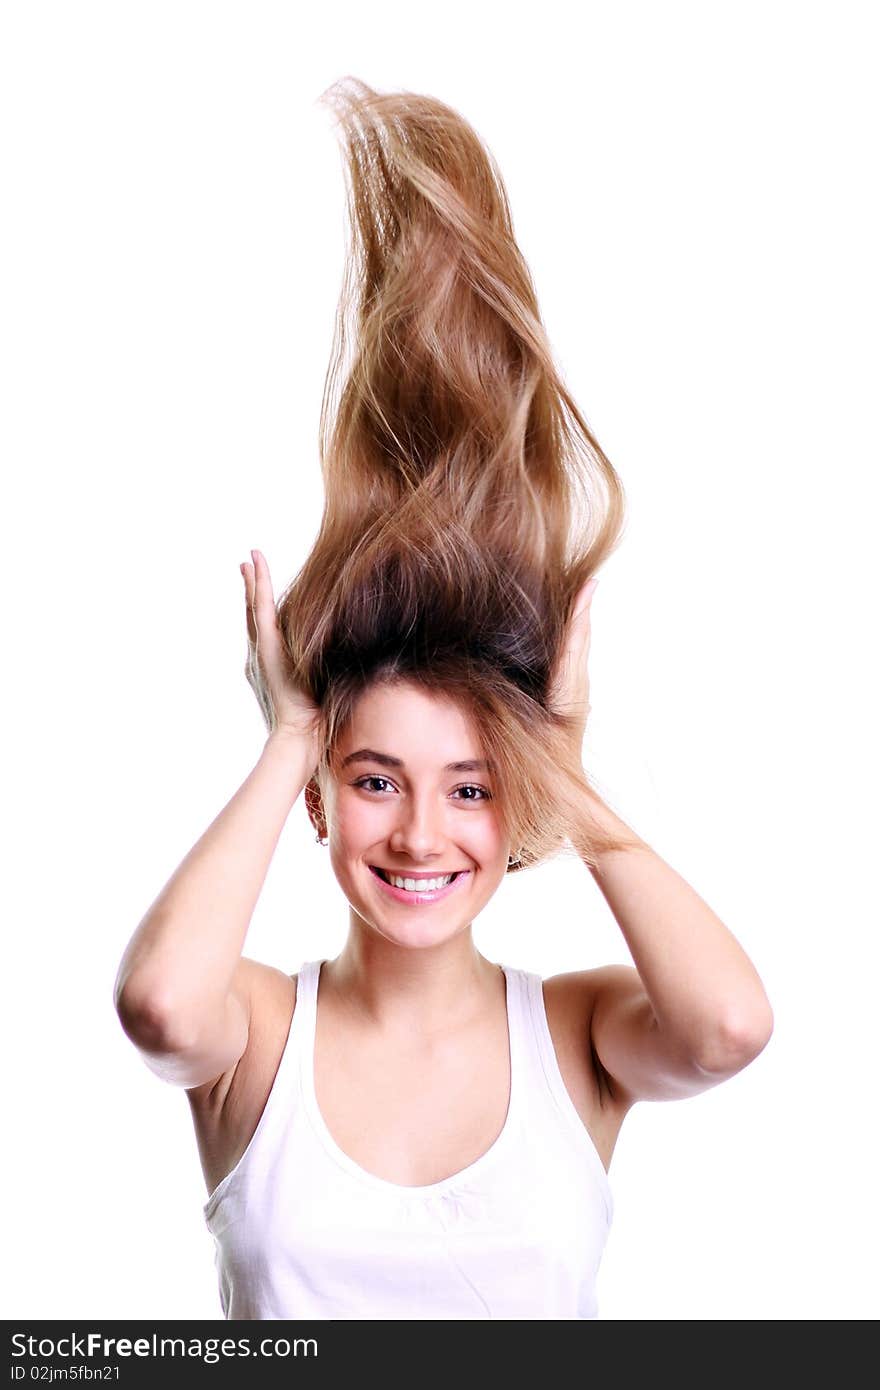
[
  {"x": 703, "y": 987},
  {"x": 180, "y": 962}
]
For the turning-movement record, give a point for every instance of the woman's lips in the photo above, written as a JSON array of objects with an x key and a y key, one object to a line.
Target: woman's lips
[{"x": 403, "y": 895}]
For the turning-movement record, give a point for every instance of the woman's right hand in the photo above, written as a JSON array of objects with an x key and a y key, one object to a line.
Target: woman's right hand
[{"x": 285, "y": 706}]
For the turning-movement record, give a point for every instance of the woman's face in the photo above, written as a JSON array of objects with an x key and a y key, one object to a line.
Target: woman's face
[{"x": 400, "y": 806}]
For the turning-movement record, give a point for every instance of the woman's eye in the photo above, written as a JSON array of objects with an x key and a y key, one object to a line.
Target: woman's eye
[
  {"x": 485, "y": 795},
  {"x": 364, "y": 780}
]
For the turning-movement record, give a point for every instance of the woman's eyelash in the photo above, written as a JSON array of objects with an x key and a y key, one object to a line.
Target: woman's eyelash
[{"x": 466, "y": 786}]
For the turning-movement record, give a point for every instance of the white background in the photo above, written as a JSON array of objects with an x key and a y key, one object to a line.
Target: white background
[{"x": 694, "y": 187}]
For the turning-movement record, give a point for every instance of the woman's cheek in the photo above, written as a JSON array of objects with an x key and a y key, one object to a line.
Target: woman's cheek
[{"x": 357, "y": 823}]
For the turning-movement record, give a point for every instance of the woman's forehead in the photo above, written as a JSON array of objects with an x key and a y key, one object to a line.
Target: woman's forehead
[{"x": 410, "y": 724}]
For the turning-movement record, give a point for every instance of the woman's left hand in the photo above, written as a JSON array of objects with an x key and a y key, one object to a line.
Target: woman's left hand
[{"x": 570, "y": 687}]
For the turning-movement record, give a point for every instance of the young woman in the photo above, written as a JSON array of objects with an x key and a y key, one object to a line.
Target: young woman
[{"x": 410, "y": 1130}]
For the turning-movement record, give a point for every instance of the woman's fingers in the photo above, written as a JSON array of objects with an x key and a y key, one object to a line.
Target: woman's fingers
[
  {"x": 584, "y": 601},
  {"x": 258, "y": 593},
  {"x": 577, "y": 636},
  {"x": 248, "y": 574},
  {"x": 264, "y": 603},
  {"x": 263, "y": 634},
  {"x": 570, "y": 690},
  {"x": 281, "y": 701}
]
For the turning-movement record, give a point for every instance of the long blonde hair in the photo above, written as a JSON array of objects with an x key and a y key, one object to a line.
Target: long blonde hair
[{"x": 466, "y": 498}]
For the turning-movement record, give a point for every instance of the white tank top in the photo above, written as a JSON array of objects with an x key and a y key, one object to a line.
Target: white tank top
[{"x": 302, "y": 1231}]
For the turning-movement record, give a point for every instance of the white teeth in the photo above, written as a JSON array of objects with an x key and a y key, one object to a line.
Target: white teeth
[{"x": 420, "y": 885}]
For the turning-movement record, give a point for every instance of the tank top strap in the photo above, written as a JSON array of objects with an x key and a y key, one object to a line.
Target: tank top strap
[
  {"x": 518, "y": 1025},
  {"x": 306, "y": 1012},
  {"x": 542, "y": 1071},
  {"x": 307, "y": 980},
  {"x": 538, "y": 1044}
]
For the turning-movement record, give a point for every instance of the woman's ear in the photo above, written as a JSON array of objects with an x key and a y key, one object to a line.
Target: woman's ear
[{"x": 315, "y": 807}]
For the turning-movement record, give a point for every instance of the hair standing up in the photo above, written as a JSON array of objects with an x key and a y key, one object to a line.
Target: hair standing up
[{"x": 466, "y": 499}]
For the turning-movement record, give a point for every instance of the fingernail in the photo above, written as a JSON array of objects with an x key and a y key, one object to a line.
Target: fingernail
[{"x": 254, "y": 556}]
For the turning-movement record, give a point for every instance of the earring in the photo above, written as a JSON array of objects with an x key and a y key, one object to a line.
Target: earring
[
  {"x": 511, "y": 861},
  {"x": 320, "y": 841}
]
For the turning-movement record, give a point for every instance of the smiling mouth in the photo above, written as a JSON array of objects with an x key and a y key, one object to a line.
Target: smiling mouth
[{"x": 442, "y": 879}]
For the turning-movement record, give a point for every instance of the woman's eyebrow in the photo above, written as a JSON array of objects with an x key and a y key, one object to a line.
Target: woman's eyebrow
[{"x": 369, "y": 755}]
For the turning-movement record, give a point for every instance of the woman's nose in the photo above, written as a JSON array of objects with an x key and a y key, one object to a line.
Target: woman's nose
[{"x": 419, "y": 830}]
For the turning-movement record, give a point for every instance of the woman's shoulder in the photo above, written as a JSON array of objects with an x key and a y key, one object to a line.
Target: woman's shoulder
[
  {"x": 572, "y": 993},
  {"x": 575, "y": 992},
  {"x": 270, "y": 999},
  {"x": 569, "y": 1001}
]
